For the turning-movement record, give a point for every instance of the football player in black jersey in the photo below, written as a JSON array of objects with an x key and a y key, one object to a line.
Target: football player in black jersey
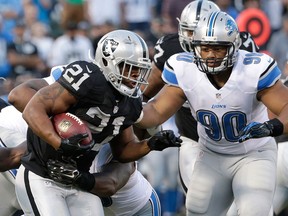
[
  {"x": 114, "y": 178},
  {"x": 169, "y": 45},
  {"x": 106, "y": 94}
]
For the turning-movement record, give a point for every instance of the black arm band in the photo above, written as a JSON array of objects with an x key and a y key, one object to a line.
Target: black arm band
[
  {"x": 86, "y": 181},
  {"x": 276, "y": 127}
]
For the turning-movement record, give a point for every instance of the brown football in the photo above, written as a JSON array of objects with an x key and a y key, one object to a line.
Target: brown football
[{"x": 68, "y": 125}]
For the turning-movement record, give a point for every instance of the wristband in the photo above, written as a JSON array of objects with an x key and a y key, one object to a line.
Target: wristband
[{"x": 275, "y": 126}]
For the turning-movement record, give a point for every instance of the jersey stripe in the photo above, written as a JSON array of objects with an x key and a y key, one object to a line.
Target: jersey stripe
[
  {"x": 169, "y": 76},
  {"x": 29, "y": 193},
  {"x": 13, "y": 172},
  {"x": 269, "y": 77},
  {"x": 155, "y": 203}
]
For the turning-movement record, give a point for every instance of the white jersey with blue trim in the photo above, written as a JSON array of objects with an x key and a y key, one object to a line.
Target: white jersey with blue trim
[
  {"x": 133, "y": 195},
  {"x": 13, "y": 130},
  {"x": 223, "y": 112},
  {"x": 11, "y": 118}
]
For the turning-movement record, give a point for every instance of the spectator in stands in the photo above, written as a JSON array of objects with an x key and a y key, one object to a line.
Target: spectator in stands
[
  {"x": 5, "y": 39},
  {"x": 40, "y": 36},
  {"x": 73, "y": 11},
  {"x": 69, "y": 47},
  {"x": 10, "y": 11},
  {"x": 274, "y": 15},
  {"x": 98, "y": 31},
  {"x": 23, "y": 54},
  {"x": 99, "y": 12},
  {"x": 171, "y": 10},
  {"x": 137, "y": 15},
  {"x": 84, "y": 28},
  {"x": 44, "y": 8},
  {"x": 227, "y": 6},
  {"x": 278, "y": 45}
]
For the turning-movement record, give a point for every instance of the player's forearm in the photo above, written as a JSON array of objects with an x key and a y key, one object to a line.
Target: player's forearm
[
  {"x": 133, "y": 151},
  {"x": 283, "y": 118},
  {"x": 150, "y": 117},
  {"x": 20, "y": 95},
  {"x": 41, "y": 125},
  {"x": 20, "y": 100},
  {"x": 111, "y": 178},
  {"x": 103, "y": 187},
  {"x": 10, "y": 158}
]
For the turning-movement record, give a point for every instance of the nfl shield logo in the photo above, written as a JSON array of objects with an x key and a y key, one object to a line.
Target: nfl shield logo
[{"x": 218, "y": 96}]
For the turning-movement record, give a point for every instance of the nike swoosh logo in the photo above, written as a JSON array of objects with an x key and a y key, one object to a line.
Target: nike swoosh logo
[{"x": 89, "y": 71}]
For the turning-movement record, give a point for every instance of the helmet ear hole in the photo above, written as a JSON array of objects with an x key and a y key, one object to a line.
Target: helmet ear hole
[{"x": 105, "y": 63}]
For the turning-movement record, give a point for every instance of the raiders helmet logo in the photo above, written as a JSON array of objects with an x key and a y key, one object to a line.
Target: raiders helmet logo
[{"x": 109, "y": 46}]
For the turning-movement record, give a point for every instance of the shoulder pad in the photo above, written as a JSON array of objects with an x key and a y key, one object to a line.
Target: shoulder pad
[{"x": 247, "y": 42}]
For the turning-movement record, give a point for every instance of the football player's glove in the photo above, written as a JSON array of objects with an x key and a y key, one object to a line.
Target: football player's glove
[
  {"x": 67, "y": 173},
  {"x": 273, "y": 128},
  {"x": 72, "y": 147},
  {"x": 164, "y": 139}
]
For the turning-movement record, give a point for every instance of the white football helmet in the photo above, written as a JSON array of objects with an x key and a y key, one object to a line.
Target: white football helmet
[
  {"x": 220, "y": 29},
  {"x": 119, "y": 50},
  {"x": 189, "y": 18}
]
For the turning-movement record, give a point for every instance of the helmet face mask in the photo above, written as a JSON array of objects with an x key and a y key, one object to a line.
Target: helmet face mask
[
  {"x": 189, "y": 18},
  {"x": 219, "y": 31},
  {"x": 212, "y": 65},
  {"x": 124, "y": 59},
  {"x": 131, "y": 77}
]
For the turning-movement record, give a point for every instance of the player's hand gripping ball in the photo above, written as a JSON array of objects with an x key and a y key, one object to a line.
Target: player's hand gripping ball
[
  {"x": 68, "y": 125},
  {"x": 76, "y": 137}
]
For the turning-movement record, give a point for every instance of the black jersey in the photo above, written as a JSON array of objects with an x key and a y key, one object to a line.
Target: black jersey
[
  {"x": 106, "y": 111},
  {"x": 169, "y": 45}
]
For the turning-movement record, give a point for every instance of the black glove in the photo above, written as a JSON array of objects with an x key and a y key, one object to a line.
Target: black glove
[
  {"x": 163, "y": 139},
  {"x": 67, "y": 173},
  {"x": 258, "y": 130},
  {"x": 72, "y": 147}
]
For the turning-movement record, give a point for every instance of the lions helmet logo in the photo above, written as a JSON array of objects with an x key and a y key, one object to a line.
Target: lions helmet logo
[
  {"x": 230, "y": 27},
  {"x": 109, "y": 46}
]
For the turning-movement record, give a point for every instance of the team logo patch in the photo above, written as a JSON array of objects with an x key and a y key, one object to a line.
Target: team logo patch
[
  {"x": 109, "y": 46},
  {"x": 230, "y": 27},
  {"x": 64, "y": 125}
]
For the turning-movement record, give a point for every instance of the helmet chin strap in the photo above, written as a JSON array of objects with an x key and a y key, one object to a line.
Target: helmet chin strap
[{"x": 126, "y": 90}]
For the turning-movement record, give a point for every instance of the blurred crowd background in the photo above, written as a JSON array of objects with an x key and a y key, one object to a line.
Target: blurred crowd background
[{"x": 36, "y": 35}]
